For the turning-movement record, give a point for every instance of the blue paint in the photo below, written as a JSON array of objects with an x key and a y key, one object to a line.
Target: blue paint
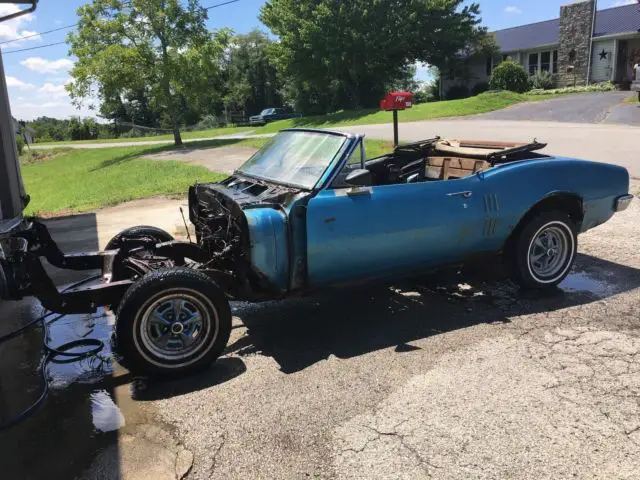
[
  {"x": 332, "y": 236},
  {"x": 269, "y": 244}
]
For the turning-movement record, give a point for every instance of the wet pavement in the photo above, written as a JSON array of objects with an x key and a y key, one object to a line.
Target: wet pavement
[{"x": 454, "y": 375}]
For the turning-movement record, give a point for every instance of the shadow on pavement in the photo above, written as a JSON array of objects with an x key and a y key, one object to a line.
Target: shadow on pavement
[
  {"x": 149, "y": 150},
  {"x": 348, "y": 323},
  {"x": 222, "y": 371}
]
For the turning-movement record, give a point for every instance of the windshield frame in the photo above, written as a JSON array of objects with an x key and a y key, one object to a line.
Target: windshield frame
[{"x": 344, "y": 150}]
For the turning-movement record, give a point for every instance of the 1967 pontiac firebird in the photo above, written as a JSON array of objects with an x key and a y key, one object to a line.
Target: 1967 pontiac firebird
[{"x": 308, "y": 211}]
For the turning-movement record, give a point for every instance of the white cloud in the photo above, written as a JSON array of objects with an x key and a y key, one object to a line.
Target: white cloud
[
  {"x": 42, "y": 65},
  {"x": 53, "y": 91},
  {"x": 512, "y": 9},
  {"x": 13, "y": 82},
  {"x": 56, "y": 109},
  {"x": 620, "y": 3},
  {"x": 13, "y": 29}
]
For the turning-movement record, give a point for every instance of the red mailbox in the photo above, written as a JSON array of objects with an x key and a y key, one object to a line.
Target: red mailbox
[
  {"x": 394, "y": 102},
  {"x": 397, "y": 101}
]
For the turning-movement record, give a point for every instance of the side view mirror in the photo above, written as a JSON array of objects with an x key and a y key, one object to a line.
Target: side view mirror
[{"x": 359, "y": 178}]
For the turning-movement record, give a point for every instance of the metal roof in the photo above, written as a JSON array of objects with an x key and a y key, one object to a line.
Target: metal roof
[
  {"x": 528, "y": 36},
  {"x": 617, "y": 20},
  {"x": 610, "y": 21}
]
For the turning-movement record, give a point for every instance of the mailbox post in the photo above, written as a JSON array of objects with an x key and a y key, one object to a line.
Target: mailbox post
[{"x": 396, "y": 101}]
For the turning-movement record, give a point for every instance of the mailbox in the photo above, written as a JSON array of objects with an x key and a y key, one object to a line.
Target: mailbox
[
  {"x": 394, "y": 102},
  {"x": 397, "y": 101}
]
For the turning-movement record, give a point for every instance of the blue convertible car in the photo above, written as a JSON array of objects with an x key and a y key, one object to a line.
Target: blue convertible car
[{"x": 309, "y": 211}]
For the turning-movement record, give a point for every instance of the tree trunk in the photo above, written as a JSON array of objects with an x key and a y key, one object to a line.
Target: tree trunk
[{"x": 177, "y": 138}]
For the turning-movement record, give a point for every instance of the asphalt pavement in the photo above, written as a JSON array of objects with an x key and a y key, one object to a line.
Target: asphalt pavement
[
  {"x": 456, "y": 375},
  {"x": 604, "y": 107}
]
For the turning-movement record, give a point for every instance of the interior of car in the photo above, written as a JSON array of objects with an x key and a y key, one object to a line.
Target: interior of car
[{"x": 438, "y": 160}]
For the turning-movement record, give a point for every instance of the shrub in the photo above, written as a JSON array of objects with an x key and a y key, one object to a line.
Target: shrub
[
  {"x": 20, "y": 144},
  {"x": 479, "y": 88},
  {"x": 457, "y": 91},
  {"x": 509, "y": 75},
  {"x": 542, "y": 81},
  {"x": 594, "y": 87},
  {"x": 207, "y": 122}
]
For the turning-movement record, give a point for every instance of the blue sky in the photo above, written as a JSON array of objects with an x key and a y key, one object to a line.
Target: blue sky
[{"x": 36, "y": 78}]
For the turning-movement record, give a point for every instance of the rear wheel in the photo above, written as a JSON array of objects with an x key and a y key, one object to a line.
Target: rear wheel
[
  {"x": 134, "y": 237},
  {"x": 172, "y": 322},
  {"x": 543, "y": 251}
]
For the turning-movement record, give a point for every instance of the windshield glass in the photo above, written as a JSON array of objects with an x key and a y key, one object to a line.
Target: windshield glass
[
  {"x": 265, "y": 112},
  {"x": 296, "y": 158}
]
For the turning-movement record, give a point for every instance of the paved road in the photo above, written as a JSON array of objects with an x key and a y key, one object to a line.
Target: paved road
[
  {"x": 617, "y": 144},
  {"x": 605, "y": 107}
]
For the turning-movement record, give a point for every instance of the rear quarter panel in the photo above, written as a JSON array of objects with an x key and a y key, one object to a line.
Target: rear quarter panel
[{"x": 511, "y": 190}]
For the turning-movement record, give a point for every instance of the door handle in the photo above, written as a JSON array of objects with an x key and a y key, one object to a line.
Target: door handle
[
  {"x": 357, "y": 191},
  {"x": 466, "y": 194}
]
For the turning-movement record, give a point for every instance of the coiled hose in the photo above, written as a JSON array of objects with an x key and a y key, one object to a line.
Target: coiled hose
[{"x": 94, "y": 346}]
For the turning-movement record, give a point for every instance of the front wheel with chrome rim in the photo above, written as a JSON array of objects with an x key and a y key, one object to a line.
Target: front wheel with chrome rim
[
  {"x": 543, "y": 250},
  {"x": 172, "y": 322}
]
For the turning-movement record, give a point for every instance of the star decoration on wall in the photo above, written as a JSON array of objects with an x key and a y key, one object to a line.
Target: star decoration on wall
[{"x": 603, "y": 54}]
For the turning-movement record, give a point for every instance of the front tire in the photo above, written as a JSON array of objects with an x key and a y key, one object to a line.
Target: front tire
[
  {"x": 543, "y": 251},
  {"x": 172, "y": 322}
]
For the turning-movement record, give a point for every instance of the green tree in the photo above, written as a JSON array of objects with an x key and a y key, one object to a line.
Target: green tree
[
  {"x": 157, "y": 47},
  {"x": 335, "y": 54},
  {"x": 252, "y": 82}
]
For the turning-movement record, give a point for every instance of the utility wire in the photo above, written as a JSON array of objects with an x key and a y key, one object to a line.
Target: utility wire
[
  {"x": 17, "y": 39},
  {"x": 33, "y": 48},
  {"x": 221, "y": 4}
]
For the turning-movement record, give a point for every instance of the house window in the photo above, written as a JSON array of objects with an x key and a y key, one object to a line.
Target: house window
[
  {"x": 489, "y": 66},
  {"x": 545, "y": 61},
  {"x": 533, "y": 63},
  {"x": 555, "y": 62}
]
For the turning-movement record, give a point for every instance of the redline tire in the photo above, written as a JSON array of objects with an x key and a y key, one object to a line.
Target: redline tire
[
  {"x": 543, "y": 252},
  {"x": 153, "y": 339}
]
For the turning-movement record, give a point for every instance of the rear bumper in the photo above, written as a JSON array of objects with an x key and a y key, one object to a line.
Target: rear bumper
[{"x": 622, "y": 203}]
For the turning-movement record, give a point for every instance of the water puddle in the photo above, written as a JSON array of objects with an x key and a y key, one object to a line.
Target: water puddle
[
  {"x": 107, "y": 417},
  {"x": 76, "y": 327},
  {"x": 582, "y": 282}
]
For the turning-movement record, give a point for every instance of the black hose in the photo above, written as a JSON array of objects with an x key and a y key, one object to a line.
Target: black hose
[{"x": 51, "y": 355}]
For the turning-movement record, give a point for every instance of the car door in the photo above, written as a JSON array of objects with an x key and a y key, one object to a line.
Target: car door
[{"x": 387, "y": 230}]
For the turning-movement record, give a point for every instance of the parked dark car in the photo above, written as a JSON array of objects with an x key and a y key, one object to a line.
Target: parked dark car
[{"x": 271, "y": 115}]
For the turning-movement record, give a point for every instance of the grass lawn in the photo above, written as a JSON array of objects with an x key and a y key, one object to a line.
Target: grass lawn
[
  {"x": 72, "y": 181},
  {"x": 85, "y": 180},
  {"x": 212, "y": 132},
  {"x": 483, "y": 103},
  {"x": 486, "y": 102},
  {"x": 633, "y": 99}
]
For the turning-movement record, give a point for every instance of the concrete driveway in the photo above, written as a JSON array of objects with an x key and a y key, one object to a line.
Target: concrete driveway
[
  {"x": 605, "y": 107},
  {"x": 451, "y": 376}
]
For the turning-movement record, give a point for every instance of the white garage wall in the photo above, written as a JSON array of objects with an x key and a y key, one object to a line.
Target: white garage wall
[{"x": 602, "y": 69}]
